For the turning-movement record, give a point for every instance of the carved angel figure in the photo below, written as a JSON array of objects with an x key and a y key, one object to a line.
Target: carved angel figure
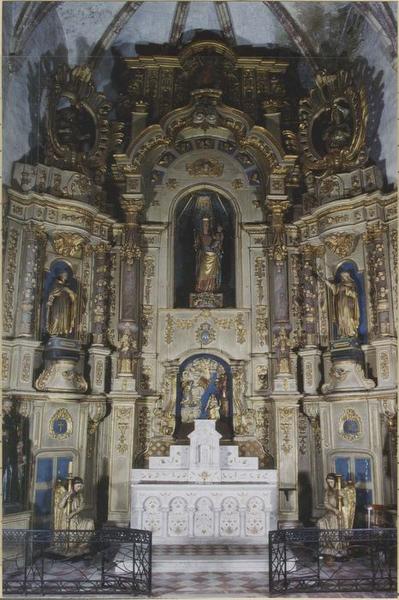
[{"x": 68, "y": 506}]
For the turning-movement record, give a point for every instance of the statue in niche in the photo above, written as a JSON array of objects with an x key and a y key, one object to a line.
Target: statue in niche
[
  {"x": 340, "y": 507},
  {"x": 338, "y": 134},
  {"x": 203, "y": 391},
  {"x": 208, "y": 248},
  {"x": 126, "y": 347},
  {"x": 346, "y": 305},
  {"x": 61, "y": 307}
]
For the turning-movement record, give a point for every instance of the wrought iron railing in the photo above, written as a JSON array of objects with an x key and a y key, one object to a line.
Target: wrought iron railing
[
  {"x": 335, "y": 560},
  {"x": 107, "y": 561}
]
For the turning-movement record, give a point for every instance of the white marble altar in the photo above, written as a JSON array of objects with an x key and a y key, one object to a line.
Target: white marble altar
[{"x": 204, "y": 492}]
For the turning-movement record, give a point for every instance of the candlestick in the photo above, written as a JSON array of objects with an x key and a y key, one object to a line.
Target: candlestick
[
  {"x": 369, "y": 509},
  {"x": 70, "y": 467}
]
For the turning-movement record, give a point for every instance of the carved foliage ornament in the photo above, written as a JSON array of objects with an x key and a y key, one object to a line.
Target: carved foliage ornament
[
  {"x": 206, "y": 166},
  {"x": 341, "y": 244},
  {"x": 68, "y": 244},
  {"x": 79, "y": 135},
  {"x": 333, "y": 122}
]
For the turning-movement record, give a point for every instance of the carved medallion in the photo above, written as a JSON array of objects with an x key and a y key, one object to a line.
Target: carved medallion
[
  {"x": 350, "y": 425},
  {"x": 61, "y": 425},
  {"x": 205, "y": 334}
]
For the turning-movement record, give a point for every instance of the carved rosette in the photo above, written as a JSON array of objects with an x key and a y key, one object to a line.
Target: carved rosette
[
  {"x": 101, "y": 292},
  {"x": 35, "y": 242},
  {"x": 375, "y": 243}
]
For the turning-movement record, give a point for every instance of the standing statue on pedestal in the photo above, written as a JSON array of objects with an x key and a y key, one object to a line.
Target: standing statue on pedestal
[
  {"x": 208, "y": 248},
  {"x": 346, "y": 305},
  {"x": 61, "y": 307},
  {"x": 126, "y": 347}
]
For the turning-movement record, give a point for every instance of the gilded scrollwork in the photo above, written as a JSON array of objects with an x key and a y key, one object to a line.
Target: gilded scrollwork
[
  {"x": 338, "y": 105},
  {"x": 149, "y": 272},
  {"x": 341, "y": 244},
  {"x": 147, "y": 319},
  {"x": 261, "y": 324},
  {"x": 237, "y": 322},
  {"x": 286, "y": 422},
  {"x": 9, "y": 280},
  {"x": 260, "y": 273},
  {"x": 79, "y": 135},
  {"x": 66, "y": 243},
  {"x": 205, "y": 166},
  {"x": 97, "y": 412},
  {"x": 123, "y": 423}
]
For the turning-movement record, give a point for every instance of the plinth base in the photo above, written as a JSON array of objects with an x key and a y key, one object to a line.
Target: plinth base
[
  {"x": 347, "y": 375},
  {"x": 124, "y": 383},
  {"x": 206, "y": 300},
  {"x": 61, "y": 376}
]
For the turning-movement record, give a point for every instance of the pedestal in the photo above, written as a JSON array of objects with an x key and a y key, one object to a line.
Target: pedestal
[
  {"x": 286, "y": 420},
  {"x": 98, "y": 357},
  {"x": 386, "y": 360},
  {"x": 347, "y": 372},
  {"x": 121, "y": 458},
  {"x": 62, "y": 368},
  {"x": 20, "y": 359},
  {"x": 206, "y": 300},
  {"x": 283, "y": 383},
  {"x": 311, "y": 358}
]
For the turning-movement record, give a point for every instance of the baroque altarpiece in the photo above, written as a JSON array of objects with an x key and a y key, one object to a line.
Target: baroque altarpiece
[{"x": 214, "y": 243}]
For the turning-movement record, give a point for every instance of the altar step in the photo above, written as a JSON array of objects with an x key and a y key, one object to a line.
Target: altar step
[{"x": 212, "y": 558}]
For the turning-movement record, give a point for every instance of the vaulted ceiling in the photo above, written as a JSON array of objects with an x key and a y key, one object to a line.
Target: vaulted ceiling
[{"x": 92, "y": 28}]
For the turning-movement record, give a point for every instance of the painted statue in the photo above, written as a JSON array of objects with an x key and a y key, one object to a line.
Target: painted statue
[
  {"x": 346, "y": 305},
  {"x": 203, "y": 391},
  {"x": 61, "y": 307},
  {"x": 208, "y": 248}
]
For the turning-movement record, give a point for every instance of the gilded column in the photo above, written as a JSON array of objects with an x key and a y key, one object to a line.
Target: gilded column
[
  {"x": 285, "y": 394},
  {"x": 310, "y": 354},
  {"x": 131, "y": 253},
  {"x": 99, "y": 353},
  {"x": 283, "y": 379},
  {"x": 34, "y": 243},
  {"x": 375, "y": 241},
  {"x": 101, "y": 293}
]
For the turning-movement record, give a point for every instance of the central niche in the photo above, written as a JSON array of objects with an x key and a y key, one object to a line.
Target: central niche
[{"x": 204, "y": 251}]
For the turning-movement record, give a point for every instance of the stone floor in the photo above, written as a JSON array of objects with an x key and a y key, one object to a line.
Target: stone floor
[{"x": 230, "y": 585}]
